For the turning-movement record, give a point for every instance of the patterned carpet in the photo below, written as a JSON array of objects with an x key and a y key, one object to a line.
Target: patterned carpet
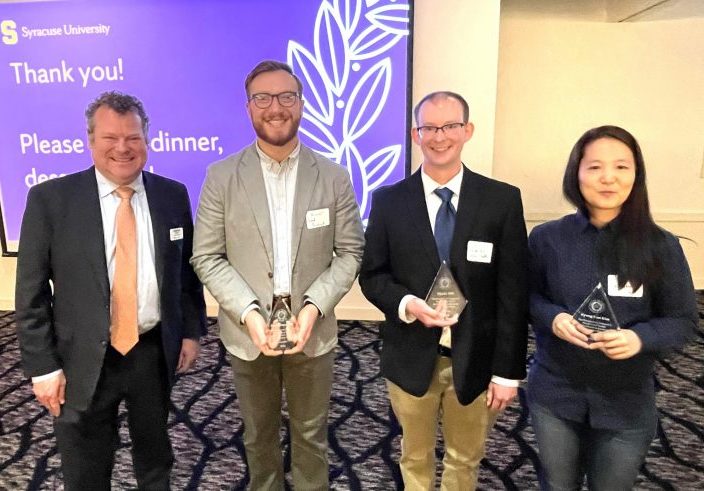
[{"x": 364, "y": 438}]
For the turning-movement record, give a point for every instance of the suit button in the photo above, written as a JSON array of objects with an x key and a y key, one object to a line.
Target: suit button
[
  {"x": 268, "y": 307},
  {"x": 270, "y": 274}
]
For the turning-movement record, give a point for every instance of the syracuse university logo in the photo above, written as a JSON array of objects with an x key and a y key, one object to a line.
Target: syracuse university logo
[{"x": 8, "y": 29}]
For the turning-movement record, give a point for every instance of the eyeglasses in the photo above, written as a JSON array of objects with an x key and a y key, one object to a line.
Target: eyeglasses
[
  {"x": 433, "y": 130},
  {"x": 264, "y": 100}
]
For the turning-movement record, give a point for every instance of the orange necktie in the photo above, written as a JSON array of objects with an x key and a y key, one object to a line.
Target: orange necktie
[{"x": 123, "y": 333}]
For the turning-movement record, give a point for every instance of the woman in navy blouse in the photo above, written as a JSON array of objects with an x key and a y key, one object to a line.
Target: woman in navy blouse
[{"x": 590, "y": 393}]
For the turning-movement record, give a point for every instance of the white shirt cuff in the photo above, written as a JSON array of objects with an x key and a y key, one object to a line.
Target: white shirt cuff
[
  {"x": 310, "y": 300},
  {"x": 46, "y": 376},
  {"x": 402, "y": 309},
  {"x": 506, "y": 382},
  {"x": 252, "y": 306}
]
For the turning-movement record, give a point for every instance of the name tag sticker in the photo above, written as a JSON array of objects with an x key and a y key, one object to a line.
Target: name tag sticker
[
  {"x": 626, "y": 291},
  {"x": 479, "y": 252},
  {"x": 176, "y": 233},
  {"x": 318, "y": 218}
]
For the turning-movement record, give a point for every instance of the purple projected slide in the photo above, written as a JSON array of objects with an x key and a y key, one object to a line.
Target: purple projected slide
[{"x": 187, "y": 62}]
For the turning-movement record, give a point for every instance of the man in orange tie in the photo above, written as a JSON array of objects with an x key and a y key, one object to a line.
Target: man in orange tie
[{"x": 108, "y": 307}]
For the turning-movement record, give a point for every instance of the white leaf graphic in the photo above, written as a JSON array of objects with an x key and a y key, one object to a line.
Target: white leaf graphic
[
  {"x": 323, "y": 141},
  {"x": 367, "y": 100},
  {"x": 344, "y": 98},
  {"x": 349, "y": 11},
  {"x": 379, "y": 165},
  {"x": 319, "y": 100},
  {"x": 391, "y": 18},
  {"x": 352, "y": 160},
  {"x": 372, "y": 42},
  {"x": 332, "y": 46}
]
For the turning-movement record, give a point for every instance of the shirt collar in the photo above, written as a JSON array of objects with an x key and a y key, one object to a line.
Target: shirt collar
[
  {"x": 106, "y": 186},
  {"x": 583, "y": 223},
  {"x": 454, "y": 184},
  {"x": 272, "y": 165}
]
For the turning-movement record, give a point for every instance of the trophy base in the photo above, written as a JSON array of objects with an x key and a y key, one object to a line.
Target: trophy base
[{"x": 285, "y": 346}]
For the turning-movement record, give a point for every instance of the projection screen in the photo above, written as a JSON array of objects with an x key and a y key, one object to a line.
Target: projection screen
[{"x": 187, "y": 62}]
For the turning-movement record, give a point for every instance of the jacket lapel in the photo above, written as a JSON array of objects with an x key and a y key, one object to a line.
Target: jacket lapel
[
  {"x": 251, "y": 172},
  {"x": 158, "y": 212},
  {"x": 88, "y": 203},
  {"x": 306, "y": 180},
  {"x": 418, "y": 211},
  {"x": 467, "y": 212}
]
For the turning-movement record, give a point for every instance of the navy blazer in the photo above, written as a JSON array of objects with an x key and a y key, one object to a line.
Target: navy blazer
[
  {"x": 401, "y": 258},
  {"x": 62, "y": 242}
]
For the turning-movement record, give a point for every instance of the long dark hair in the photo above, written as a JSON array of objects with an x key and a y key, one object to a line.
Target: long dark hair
[{"x": 633, "y": 240}]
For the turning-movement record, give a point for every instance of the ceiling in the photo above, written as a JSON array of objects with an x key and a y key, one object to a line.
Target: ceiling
[{"x": 606, "y": 10}]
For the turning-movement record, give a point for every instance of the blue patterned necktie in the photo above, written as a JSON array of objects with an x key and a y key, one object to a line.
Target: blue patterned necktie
[{"x": 444, "y": 223}]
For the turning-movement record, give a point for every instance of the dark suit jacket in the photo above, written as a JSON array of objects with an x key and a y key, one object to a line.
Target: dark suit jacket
[
  {"x": 62, "y": 242},
  {"x": 401, "y": 258}
]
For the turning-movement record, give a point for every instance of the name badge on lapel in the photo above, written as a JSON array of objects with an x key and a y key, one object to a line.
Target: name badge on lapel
[
  {"x": 479, "y": 252},
  {"x": 318, "y": 218},
  {"x": 176, "y": 233},
  {"x": 626, "y": 291}
]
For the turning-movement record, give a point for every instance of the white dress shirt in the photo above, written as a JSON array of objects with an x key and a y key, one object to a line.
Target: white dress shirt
[{"x": 280, "y": 184}]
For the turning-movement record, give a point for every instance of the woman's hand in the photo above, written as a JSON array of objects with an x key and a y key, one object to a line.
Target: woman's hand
[
  {"x": 565, "y": 327},
  {"x": 617, "y": 344}
]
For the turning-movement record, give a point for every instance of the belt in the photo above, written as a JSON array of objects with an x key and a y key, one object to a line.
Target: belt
[
  {"x": 444, "y": 351},
  {"x": 285, "y": 298}
]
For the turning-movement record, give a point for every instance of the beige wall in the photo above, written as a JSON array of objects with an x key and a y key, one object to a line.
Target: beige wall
[
  {"x": 7, "y": 283},
  {"x": 558, "y": 78}
]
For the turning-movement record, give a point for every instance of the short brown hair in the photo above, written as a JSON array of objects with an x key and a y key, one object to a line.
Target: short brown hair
[
  {"x": 444, "y": 94},
  {"x": 270, "y": 66}
]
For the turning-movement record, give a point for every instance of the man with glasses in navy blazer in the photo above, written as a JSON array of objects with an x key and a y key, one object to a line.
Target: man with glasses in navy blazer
[{"x": 459, "y": 371}]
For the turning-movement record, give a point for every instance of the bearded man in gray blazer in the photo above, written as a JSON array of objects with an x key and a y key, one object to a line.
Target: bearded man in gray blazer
[{"x": 278, "y": 221}]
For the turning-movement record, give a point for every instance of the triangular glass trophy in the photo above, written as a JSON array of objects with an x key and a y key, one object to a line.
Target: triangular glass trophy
[
  {"x": 282, "y": 335},
  {"x": 596, "y": 312},
  {"x": 445, "y": 294}
]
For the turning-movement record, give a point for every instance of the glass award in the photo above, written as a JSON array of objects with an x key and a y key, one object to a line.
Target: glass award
[
  {"x": 282, "y": 335},
  {"x": 596, "y": 312},
  {"x": 445, "y": 294}
]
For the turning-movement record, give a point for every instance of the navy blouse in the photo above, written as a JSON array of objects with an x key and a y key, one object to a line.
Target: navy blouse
[{"x": 586, "y": 386}]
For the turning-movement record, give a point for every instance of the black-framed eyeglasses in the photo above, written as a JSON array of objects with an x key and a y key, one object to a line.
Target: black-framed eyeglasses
[
  {"x": 263, "y": 100},
  {"x": 433, "y": 130}
]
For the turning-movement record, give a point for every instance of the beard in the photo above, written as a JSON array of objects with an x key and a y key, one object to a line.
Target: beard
[{"x": 277, "y": 136}]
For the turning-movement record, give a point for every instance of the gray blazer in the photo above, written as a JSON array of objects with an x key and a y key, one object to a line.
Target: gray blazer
[{"x": 233, "y": 251}]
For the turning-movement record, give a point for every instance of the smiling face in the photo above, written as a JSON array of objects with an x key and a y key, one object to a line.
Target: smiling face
[
  {"x": 118, "y": 145},
  {"x": 607, "y": 172},
  {"x": 276, "y": 125},
  {"x": 442, "y": 149}
]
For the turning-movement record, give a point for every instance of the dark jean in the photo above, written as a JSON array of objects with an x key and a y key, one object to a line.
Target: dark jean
[{"x": 568, "y": 450}]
